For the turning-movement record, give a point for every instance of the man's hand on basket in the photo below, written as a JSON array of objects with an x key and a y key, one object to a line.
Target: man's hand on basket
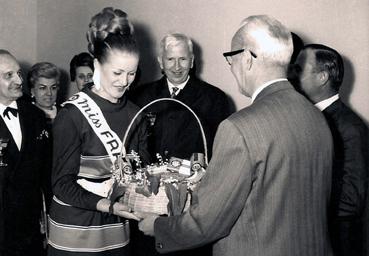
[{"x": 146, "y": 225}]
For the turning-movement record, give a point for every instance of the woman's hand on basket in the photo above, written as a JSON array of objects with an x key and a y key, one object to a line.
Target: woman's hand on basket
[
  {"x": 104, "y": 205},
  {"x": 124, "y": 211}
]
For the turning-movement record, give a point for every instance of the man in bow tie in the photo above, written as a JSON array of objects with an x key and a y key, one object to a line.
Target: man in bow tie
[{"x": 23, "y": 175}]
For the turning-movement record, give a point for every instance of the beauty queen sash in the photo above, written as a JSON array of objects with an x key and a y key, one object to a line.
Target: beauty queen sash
[{"x": 111, "y": 141}]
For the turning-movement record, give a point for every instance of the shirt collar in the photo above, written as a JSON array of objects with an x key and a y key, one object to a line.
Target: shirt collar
[
  {"x": 179, "y": 86},
  {"x": 263, "y": 86},
  {"x": 327, "y": 102},
  {"x": 12, "y": 105}
]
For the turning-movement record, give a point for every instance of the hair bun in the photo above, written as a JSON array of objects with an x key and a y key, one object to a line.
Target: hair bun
[{"x": 105, "y": 23}]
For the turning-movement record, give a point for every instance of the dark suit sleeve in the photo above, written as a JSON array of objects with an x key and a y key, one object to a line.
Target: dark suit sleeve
[
  {"x": 355, "y": 170},
  {"x": 217, "y": 202},
  {"x": 213, "y": 115}
]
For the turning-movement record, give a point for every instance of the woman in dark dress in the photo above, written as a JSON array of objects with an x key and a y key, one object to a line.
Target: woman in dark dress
[
  {"x": 82, "y": 220},
  {"x": 43, "y": 81}
]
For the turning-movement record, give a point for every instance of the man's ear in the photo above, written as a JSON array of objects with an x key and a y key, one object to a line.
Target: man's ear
[
  {"x": 192, "y": 60},
  {"x": 246, "y": 59},
  {"x": 323, "y": 77},
  {"x": 160, "y": 60}
]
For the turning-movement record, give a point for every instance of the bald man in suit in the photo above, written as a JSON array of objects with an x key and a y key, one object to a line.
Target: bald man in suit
[
  {"x": 267, "y": 186},
  {"x": 24, "y": 174}
]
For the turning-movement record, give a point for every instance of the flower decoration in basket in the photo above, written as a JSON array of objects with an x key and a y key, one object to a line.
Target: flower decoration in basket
[{"x": 163, "y": 187}]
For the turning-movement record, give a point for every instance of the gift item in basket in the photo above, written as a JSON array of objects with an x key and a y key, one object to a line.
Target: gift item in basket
[
  {"x": 159, "y": 188},
  {"x": 163, "y": 187},
  {"x": 155, "y": 203}
]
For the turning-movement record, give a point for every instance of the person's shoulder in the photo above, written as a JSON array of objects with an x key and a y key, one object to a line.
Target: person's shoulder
[
  {"x": 348, "y": 120},
  {"x": 132, "y": 106},
  {"x": 26, "y": 107},
  {"x": 68, "y": 112},
  {"x": 144, "y": 93},
  {"x": 242, "y": 116},
  {"x": 148, "y": 87},
  {"x": 205, "y": 86}
]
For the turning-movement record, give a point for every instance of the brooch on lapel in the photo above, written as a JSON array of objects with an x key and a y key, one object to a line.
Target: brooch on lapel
[{"x": 43, "y": 134}]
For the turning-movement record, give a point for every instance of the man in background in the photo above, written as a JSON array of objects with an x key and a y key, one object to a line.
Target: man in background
[
  {"x": 175, "y": 131},
  {"x": 23, "y": 174},
  {"x": 320, "y": 73},
  {"x": 267, "y": 186}
]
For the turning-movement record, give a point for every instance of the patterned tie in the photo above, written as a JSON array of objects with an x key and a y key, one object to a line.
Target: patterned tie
[
  {"x": 174, "y": 90},
  {"x": 14, "y": 111}
]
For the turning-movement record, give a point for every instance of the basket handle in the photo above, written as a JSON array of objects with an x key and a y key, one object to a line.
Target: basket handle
[{"x": 123, "y": 152}]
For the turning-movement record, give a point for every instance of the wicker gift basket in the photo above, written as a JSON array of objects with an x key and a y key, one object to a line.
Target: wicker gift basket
[{"x": 163, "y": 187}]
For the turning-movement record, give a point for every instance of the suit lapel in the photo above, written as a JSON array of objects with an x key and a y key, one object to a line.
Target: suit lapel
[
  {"x": 22, "y": 117},
  {"x": 189, "y": 93},
  {"x": 24, "y": 123},
  {"x": 333, "y": 108},
  {"x": 163, "y": 89}
]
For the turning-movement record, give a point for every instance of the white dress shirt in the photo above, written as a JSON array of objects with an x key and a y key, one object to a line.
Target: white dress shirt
[
  {"x": 12, "y": 123},
  {"x": 179, "y": 86},
  {"x": 327, "y": 102},
  {"x": 263, "y": 86}
]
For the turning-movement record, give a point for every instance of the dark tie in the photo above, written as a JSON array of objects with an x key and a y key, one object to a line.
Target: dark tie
[
  {"x": 174, "y": 90},
  {"x": 14, "y": 111}
]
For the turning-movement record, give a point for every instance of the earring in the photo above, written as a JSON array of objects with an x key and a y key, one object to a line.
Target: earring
[{"x": 96, "y": 78}]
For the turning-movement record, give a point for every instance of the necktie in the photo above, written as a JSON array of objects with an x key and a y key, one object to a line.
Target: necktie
[
  {"x": 11, "y": 110},
  {"x": 174, "y": 90}
]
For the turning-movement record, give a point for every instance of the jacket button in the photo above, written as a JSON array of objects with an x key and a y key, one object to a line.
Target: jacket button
[{"x": 159, "y": 245}]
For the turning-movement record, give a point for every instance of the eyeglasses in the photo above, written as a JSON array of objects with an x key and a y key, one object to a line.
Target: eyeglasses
[{"x": 228, "y": 55}]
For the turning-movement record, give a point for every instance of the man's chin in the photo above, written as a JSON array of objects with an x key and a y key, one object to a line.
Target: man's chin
[
  {"x": 17, "y": 95},
  {"x": 177, "y": 81}
]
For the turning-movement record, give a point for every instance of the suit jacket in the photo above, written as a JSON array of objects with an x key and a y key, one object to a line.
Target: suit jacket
[
  {"x": 176, "y": 132},
  {"x": 21, "y": 182},
  {"x": 349, "y": 178},
  {"x": 267, "y": 187}
]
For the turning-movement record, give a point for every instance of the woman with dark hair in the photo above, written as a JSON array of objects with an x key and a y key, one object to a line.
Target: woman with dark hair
[
  {"x": 43, "y": 81},
  {"x": 88, "y": 134},
  {"x": 81, "y": 69}
]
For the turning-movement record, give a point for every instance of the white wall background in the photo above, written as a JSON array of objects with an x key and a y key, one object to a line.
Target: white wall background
[{"x": 54, "y": 30}]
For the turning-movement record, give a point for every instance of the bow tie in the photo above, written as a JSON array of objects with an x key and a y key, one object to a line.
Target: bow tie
[{"x": 14, "y": 111}]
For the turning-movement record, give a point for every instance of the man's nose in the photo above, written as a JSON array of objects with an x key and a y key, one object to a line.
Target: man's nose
[
  {"x": 19, "y": 79},
  {"x": 177, "y": 65}
]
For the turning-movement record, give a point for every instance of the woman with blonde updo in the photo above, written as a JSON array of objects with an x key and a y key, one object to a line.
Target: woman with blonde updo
[{"x": 87, "y": 133}]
